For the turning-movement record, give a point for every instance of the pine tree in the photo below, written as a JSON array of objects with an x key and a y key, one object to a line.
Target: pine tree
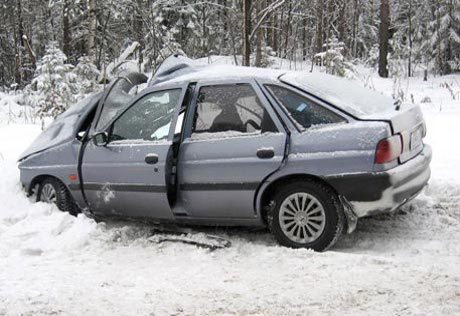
[
  {"x": 86, "y": 75},
  {"x": 445, "y": 38},
  {"x": 52, "y": 84},
  {"x": 333, "y": 59}
]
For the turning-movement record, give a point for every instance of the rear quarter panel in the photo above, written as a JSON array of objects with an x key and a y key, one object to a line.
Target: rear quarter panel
[
  {"x": 336, "y": 148},
  {"x": 333, "y": 150}
]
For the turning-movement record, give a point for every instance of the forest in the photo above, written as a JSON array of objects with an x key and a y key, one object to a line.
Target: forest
[{"x": 87, "y": 41}]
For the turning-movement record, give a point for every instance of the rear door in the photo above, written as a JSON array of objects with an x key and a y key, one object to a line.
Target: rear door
[
  {"x": 129, "y": 176},
  {"x": 232, "y": 141}
]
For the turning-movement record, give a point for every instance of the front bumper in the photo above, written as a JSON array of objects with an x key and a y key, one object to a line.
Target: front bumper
[{"x": 380, "y": 192}]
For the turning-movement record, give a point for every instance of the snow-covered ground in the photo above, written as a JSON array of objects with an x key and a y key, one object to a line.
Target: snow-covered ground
[{"x": 407, "y": 263}]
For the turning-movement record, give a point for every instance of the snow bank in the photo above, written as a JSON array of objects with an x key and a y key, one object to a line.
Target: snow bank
[
  {"x": 28, "y": 228},
  {"x": 12, "y": 112}
]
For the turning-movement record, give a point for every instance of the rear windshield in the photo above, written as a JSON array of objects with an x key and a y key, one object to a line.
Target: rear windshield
[{"x": 342, "y": 93}]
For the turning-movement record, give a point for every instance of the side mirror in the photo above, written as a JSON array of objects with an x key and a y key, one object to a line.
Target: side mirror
[{"x": 101, "y": 139}]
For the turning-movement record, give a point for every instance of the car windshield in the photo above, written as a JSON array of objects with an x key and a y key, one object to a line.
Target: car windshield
[{"x": 119, "y": 95}]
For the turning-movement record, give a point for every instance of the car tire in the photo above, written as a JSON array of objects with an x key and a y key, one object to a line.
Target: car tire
[
  {"x": 54, "y": 191},
  {"x": 306, "y": 214}
]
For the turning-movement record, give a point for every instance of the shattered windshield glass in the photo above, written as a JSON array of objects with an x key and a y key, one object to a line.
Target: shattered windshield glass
[{"x": 120, "y": 95}]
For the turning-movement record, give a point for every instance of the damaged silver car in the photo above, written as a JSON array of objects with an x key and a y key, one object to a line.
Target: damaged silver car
[{"x": 305, "y": 154}]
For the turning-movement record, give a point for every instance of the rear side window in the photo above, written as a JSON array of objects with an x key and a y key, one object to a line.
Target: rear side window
[
  {"x": 230, "y": 108},
  {"x": 304, "y": 111}
]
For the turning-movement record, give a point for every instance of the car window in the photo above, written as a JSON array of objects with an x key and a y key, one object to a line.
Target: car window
[
  {"x": 120, "y": 94},
  {"x": 147, "y": 119},
  {"x": 303, "y": 110},
  {"x": 230, "y": 108}
]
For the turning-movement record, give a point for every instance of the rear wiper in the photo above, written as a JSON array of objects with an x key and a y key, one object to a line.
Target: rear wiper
[{"x": 398, "y": 105}]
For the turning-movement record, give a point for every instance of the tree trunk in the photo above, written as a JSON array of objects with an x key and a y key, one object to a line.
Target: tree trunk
[
  {"x": 205, "y": 40},
  {"x": 33, "y": 57},
  {"x": 258, "y": 59},
  {"x": 246, "y": 32},
  {"x": 384, "y": 36},
  {"x": 65, "y": 28},
  {"x": 288, "y": 30},
  {"x": 20, "y": 23},
  {"x": 138, "y": 26},
  {"x": 275, "y": 32},
  {"x": 409, "y": 62},
  {"x": 319, "y": 26},
  {"x": 92, "y": 30},
  {"x": 355, "y": 28},
  {"x": 19, "y": 44},
  {"x": 304, "y": 39},
  {"x": 342, "y": 21}
]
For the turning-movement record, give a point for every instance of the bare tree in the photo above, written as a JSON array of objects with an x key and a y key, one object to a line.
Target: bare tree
[
  {"x": 409, "y": 61},
  {"x": 139, "y": 33},
  {"x": 92, "y": 22},
  {"x": 319, "y": 26},
  {"x": 384, "y": 35},
  {"x": 259, "y": 35},
  {"x": 246, "y": 32},
  {"x": 66, "y": 36}
]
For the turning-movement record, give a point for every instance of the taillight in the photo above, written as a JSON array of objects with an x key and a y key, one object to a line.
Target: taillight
[{"x": 388, "y": 149}]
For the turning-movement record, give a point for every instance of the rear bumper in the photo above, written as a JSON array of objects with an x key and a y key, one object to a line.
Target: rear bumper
[{"x": 379, "y": 192}]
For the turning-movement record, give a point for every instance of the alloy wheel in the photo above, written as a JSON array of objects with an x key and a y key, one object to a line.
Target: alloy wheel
[
  {"x": 48, "y": 194},
  {"x": 302, "y": 218}
]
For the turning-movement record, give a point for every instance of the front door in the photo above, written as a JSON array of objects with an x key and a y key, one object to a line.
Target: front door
[
  {"x": 129, "y": 175},
  {"x": 233, "y": 141}
]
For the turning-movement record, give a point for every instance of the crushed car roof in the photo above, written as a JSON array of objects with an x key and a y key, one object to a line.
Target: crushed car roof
[{"x": 177, "y": 69}]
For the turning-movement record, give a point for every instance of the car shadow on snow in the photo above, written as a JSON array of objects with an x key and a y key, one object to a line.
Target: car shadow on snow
[{"x": 386, "y": 229}]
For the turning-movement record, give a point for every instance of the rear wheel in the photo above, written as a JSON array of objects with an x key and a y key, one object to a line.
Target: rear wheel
[
  {"x": 54, "y": 191},
  {"x": 306, "y": 215}
]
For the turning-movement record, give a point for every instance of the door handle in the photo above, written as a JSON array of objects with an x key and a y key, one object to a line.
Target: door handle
[
  {"x": 266, "y": 153},
  {"x": 151, "y": 159}
]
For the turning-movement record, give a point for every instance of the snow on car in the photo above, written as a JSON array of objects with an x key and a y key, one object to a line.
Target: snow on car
[{"x": 304, "y": 154}]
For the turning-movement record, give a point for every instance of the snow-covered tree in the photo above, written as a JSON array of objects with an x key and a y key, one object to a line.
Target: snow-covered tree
[
  {"x": 86, "y": 75},
  {"x": 52, "y": 85},
  {"x": 332, "y": 58},
  {"x": 445, "y": 34}
]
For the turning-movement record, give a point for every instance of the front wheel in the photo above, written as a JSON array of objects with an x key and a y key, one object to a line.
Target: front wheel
[
  {"x": 306, "y": 215},
  {"x": 54, "y": 191}
]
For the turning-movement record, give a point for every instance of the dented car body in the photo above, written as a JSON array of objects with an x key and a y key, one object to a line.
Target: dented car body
[{"x": 219, "y": 145}]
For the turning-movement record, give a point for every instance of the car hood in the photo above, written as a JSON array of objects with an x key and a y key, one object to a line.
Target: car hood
[{"x": 64, "y": 128}]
